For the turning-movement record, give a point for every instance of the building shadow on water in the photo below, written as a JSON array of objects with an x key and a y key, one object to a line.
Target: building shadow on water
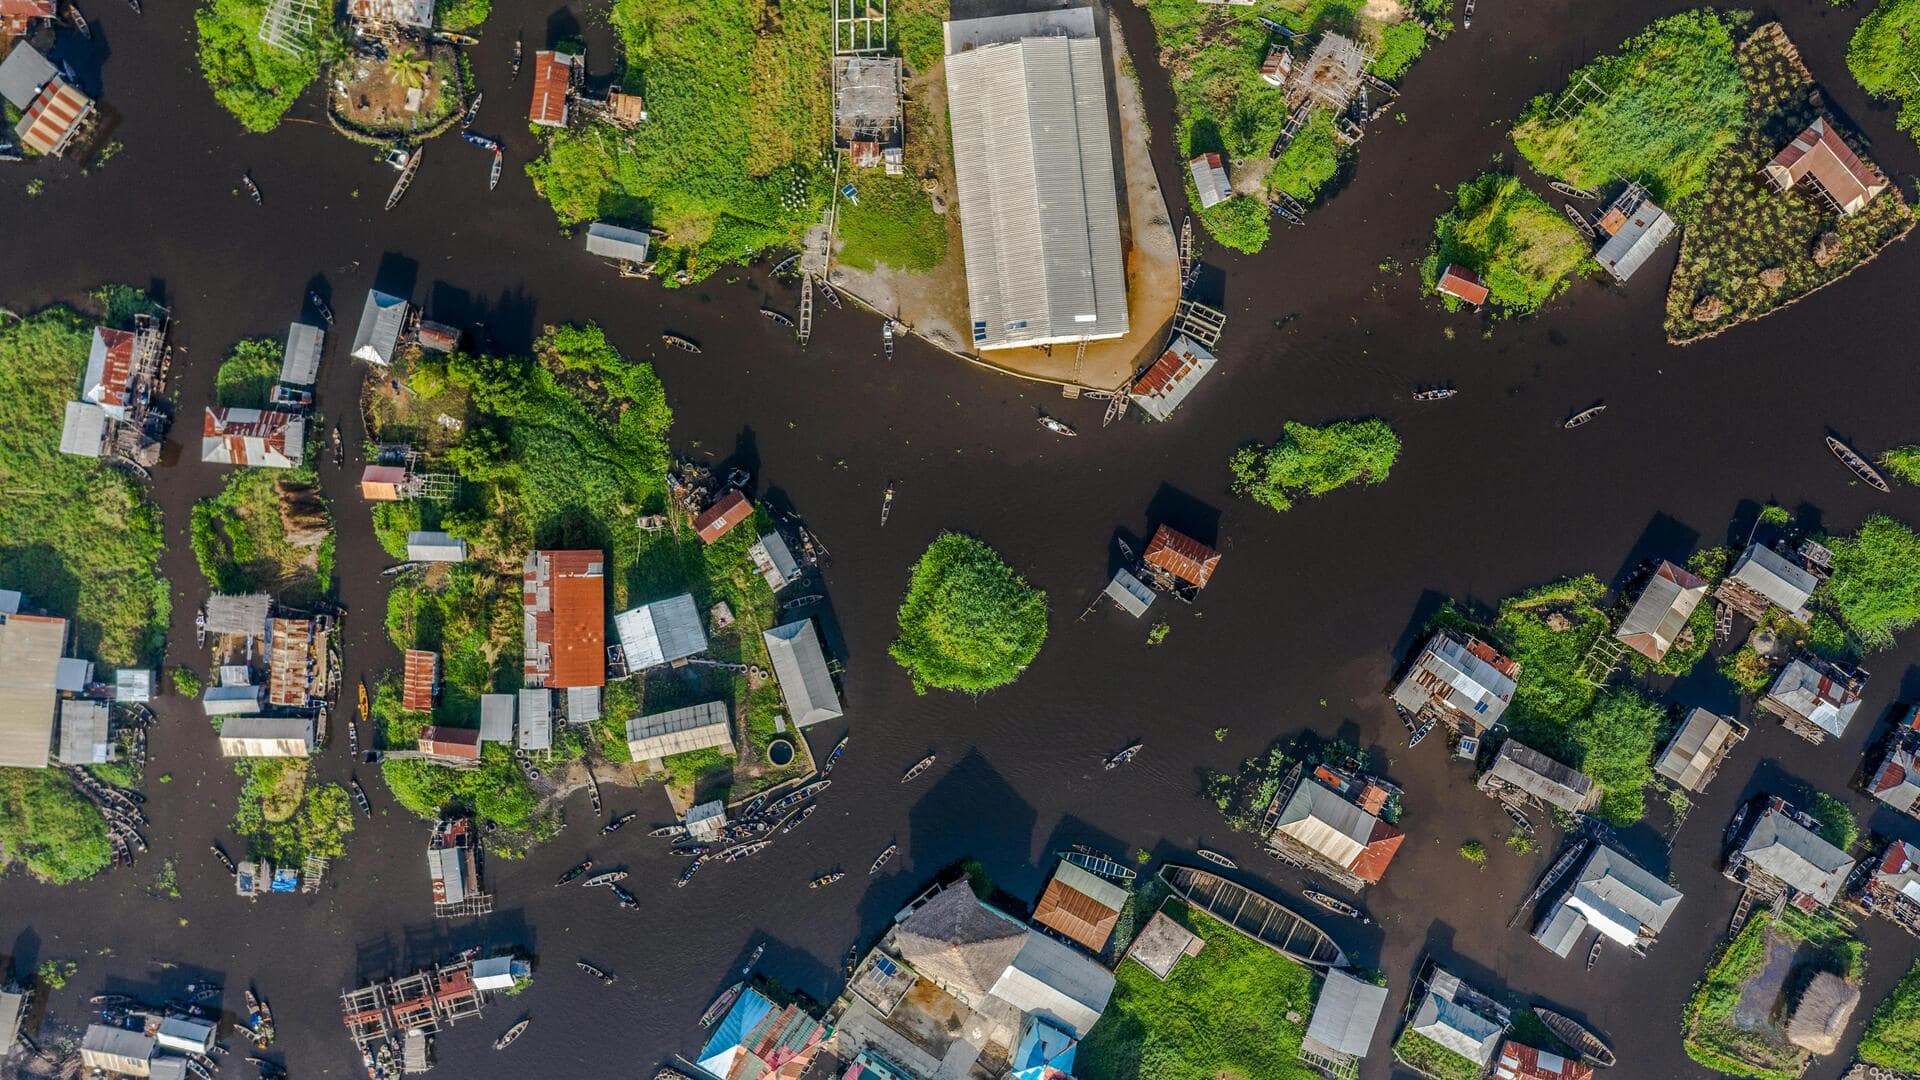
[
  {"x": 1665, "y": 537},
  {"x": 970, "y": 811},
  {"x": 396, "y": 274},
  {"x": 1172, "y": 507}
]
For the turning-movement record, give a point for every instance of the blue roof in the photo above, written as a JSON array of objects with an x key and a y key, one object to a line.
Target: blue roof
[
  {"x": 751, "y": 1008},
  {"x": 286, "y": 879},
  {"x": 1044, "y": 1044}
]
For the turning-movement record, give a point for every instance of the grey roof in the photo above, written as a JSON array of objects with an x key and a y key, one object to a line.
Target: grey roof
[
  {"x": 300, "y": 361},
  {"x": 1129, "y": 593},
  {"x": 496, "y": 718},
  {"x": 660, "y": 632},
  {"x": 1659, "y": 614},
  {"x": 84, "y": 733},
  {"x": 167, "y": 1067},
  {"x": 116, "y": 1042},
  {"x": 1210, "y": 180},
  {"x": 23, "y": 73},
  {"x": 1774, "y": 576},
  {"x": 583, "y": 704},
  {"x": 29, "y": 662},
  {"x": 73, "y": 675},
  {"x": 1448, "y": 673},
  {"x": 1611, "y": 886},
  {"x": 958, "y": 942},
  {"x": 232, "y": 700},
  {"x": 12, "y": 1004},
  {"x": 536, "y": 719},
  {"x": 133, "y": 685},
  {"x": 801, "y": 667},
  {"x": 1639, "y": 237},
  {"x": 83, "y": 430},
  {"x": 1805, "y": 690},
  {"x": 185, "y": 1033},
  {"x": 1793, "y": 853},
  {"x": 1896, "y": 780},
  {"x": 697, "y": 727},
  {"x": 1560, "y": 930},
  {"x": 429, "y": 546},
  {"x": 774, "y": 560},
  {"x": 1345, "y": 1016},
  {"x": 1457, "y": 1028},
  {"x": 1696, "y": 748},
  {"x": 614, "y": 242},
  {"x": 1053, "y": 980},
  {"x": 1033, "y": 162},
  {"x": 381, "y": 321},
  {"x": 240, "y": 613},
  {"x": 446, "y": 866},
  {"x": 1541, "y": 777}
]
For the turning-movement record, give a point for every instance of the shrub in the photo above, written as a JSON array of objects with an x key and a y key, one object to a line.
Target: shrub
[
  {"x": 1881, "y": 56},
  {"x": 1400, "y": 45},
  {"x": 1837, "y": 825},
  {"x": 1311, "y": 461},
  {"x": 1903, "y": 462},
  {"x": 186, "y": 682},
  {"x": 1892, "y": 1039},
  {"x": 462, "y": 14},
  {"x": 1522, "y": 248},
  {"x": 1240, "y": 223},
  {"x": 50, "y": 828},
  {"x": 248, "y": 375},
  {"x": 968, "y": 622},
  {"x": 1875, "y": 585},
  {"x": 1310, "y": 161},
  {"x": 392, "y": 521},
  {"x": 1474, "y": 852}
]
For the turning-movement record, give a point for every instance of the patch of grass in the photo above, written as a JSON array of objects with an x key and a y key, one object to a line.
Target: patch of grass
[
  {"x": 1875, "y": 587},
  {"x": 1312, "y": 159},
  {"x": 80, "y": 539},
  {"x": 968, "y": 621},
  {"x": 1310, "y": 461},
  {"x": 1400, "y": 45},
  {"x": 1524, "y": 249},
  {"x": 1748, "y": 670},
  {"x": 495, "y": 791},
  {"x": 241, "y": 542},
  {"x": 248, "y": 375},
  {"x": 393, "y": 521},
  {"x": 285, "y": 816},
  {"x": 1158, "y": 633},
  {"x": 1903, "y": 462},
  {"x": 893, "y": 224},
  {"x": 186, "y": 681},
  {"x": 471, "y": 616},
  {"x": 727, "y": 166},
  {"x": 1520, "y": 843},
  {"x": 1474, "y": 852},
  {"x": 49, "y": 828},
  {"x": 700, "y": 771},
  {"x": 918, "y": 32},
  {"x": 1892, "y": 1039},
  {"x": 254, "y": 81},
  {"x": 1422, "y": 1053},
  {"x": 1882, "y": 57},
  {"x": 1672, "y": 99},
  {"x": 1240, "y": 223},
  {"x": 1222, "y": 1013},
  {"x": 1837, "y": 826}
]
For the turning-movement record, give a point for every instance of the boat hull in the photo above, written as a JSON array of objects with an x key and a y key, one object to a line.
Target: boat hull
[{"x": 1279, "y": 928}]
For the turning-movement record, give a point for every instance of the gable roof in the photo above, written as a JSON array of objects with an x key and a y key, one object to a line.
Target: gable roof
[
  {"x": 1345, "y": 1016},
  {"x": 660, "y": 632},
  {"x": 1460, "y": 674},
  {"x": 1462, "y": 284},
  {"x": 958, "y": 942},
  {"x": 382, "y": 319},
  {"x": 1821, "y": 153},
  {"x": 1810, "y": 689},
  {"x": 1339, "y": 831},
  {"x": 1182, "y": 556},
  {"x": 261, "y": 438},
  {"x": 30, "y": 647},
  {"x": 25, "y": 71},
  {"x": 801, "y": 667},
  {"x": 1793, "y": 853},
  {"x": 1696, "y": 749},
  {"x": 1542, "y": 777},
  {"x": 1051, "y": 980},
  {"x": 1638, "y": 237},
  {"x": 1210, "y": 180},
  {"x": 564, "y": 618},
  {"x": 552, "y": 80},
  {"x": 719, "y": 519},
  {"x": 1896, "y": 781},
  {"x": 1081, "y": 905},
  {"x": 696, "y": 727},
  {"x": 108, "y": 382},
  {"x": 536, "y": 719},
  {"x": 1781, "y": 580},
  {"x": 615, "y": 242},
  {"x": 1654, "y": 622},
  {"x": 1457, "y": 1028},
  {"x": 1619, "y": 896},
  {"x": 1521, "y": 1062},
  {"x": 54, "y": 117},
  {"x": 1166, "y": 383},
  {"x": 300, "y": 360}
]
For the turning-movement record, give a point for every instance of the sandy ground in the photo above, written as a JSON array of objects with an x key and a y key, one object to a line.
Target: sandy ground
[{"x": 934, "y": 305}]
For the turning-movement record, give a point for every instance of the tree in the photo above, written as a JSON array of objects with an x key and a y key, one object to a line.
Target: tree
[
  {"x": 968, "y": 622},
  {"x": 407, "y": 68}
]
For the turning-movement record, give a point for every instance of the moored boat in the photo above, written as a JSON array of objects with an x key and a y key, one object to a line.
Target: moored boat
[
  {"x": 918, "y": 767},
  {"x": 575, "y": 872},
  {"x": 681, "y": 342},
  {"x": 735, "y": 854},
  {"x": 226, "y": 861},
  {"x": 1217, "y": 859},
  {"x": 825, "y": 879},
  {"x": 687, "y": 875},
  {"x": 1280, "y": 928},
  {"x": 1858, "y": 464},
  {"x": 359, "y": 793},
  {"x": 777, "y": 318},
  {"x": 799, "y": 602},
  {"x": 473, "y": 110},
  {"x": 1591, "y": 1048},
  {"x": 594, "y": 971},
  {"x": 1334, "y": 904},
  {"x": 834, "y": 757},
  {"x": 79, "y": 21},
  {"x": 1584, "y": 416},
  {"x": 1593, "y": 954},
  {"x": 253, "y": 189},
  {"x": 1098, "y": 863},
  {"x": 797, "y": 819},
  {"x": 407, "y": 172},
  {"x": 627, "y": 899},
  {"x": 108, "y": 1000},
  {"x": 511, "y": 1034},
  {"x": 607, "y": 878},
  {"x": 882, "y": 860},
  {"x": 1122, "y": 757},
  {"x": 1058, "y": 427},
  {"x": 1572, "y": 192},
  {"x": 721, "y": 1004},
  {"x": 320, "y": 307},
  {"x": 619, "y": 820},
  {"x": 493, "y": 176},
  {"x": 1438, "y": 393},
  {"x": 668, "y": 830},
  {"x": 1579, "y": 220},
  {"x": 886, "y": 336},
  {"x": 753, "y": 958}
]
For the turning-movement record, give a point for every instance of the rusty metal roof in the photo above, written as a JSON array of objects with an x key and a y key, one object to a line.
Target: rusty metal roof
[{"x": 1182, "y": 556}]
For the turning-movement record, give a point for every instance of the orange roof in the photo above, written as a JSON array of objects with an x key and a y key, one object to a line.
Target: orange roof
[
  {"x": 28, "y": 9},
  {"x": 117, "y": 377},
  {"x": 53, "y": 117},
  {"x": 1075, "y": 914},
  {"x": 1520, "y": 1062},
  {"x": 421, "y": 673},
  {"x": 381, "y": 483},
  {"x": 451, "y": 742},
  {"x": 1458, "y": 281},
  {"x": 1821, "y": 152},
  {"x": 1371, "y": 865},
  {"x": 571, "y": 626},
  {"x": 1498, "y": 662},
  {"x": 1182, "y": 556},
  {"x": 552, "y": 78},
  {"x": 719, "y": 519},
  {"x": 1373, "y": 798}
]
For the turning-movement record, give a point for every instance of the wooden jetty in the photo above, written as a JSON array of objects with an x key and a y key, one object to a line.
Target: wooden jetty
[{"x": 1259, "y": 918}]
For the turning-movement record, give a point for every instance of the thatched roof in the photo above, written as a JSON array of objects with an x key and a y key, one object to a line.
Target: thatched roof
[
  {"x": 1821, "y": 1017},
  {"x": 958, "y": 942}
]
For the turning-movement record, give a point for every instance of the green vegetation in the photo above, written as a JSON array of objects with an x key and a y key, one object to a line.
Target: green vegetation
[
  {"x": 285, "y": 817},
  {"x": 248, "y": 375},
  {"x": 496, "y": 790},
  {"x": 893, "y": 224},
  {"x": 470, "y": 615},
  {"x": 1240, "y": 223},
  {"x": 1667, "y": 104},
  {"x": 1749, "y": 249},
  {"x": 1747, "y": 669},
  {"x": 1422, "y": 1053},
  {"x": 393, "y": 521},
  {"x": 1400, "y": 45},
  {"x": 1903, "y": 462},
  {"x": 47, "y": 826},
  {"x": 1520, "y": 843},
  {"x": 1714, "y": 1035},
  {"x": 1309, "y": 461},
  {"x": 1892, "y": 1039},
  {"x": 1222, "y": 1013},
  {"x": 918, "y": 29},
  {"x": 186, "y": 681},
  {"x": 1524, "y": 249},
  {"x": 1158, "y": 633},
  {"x": 461, "y": 14},
  {"x": 1837, "y": 825},
  {"x": 727, "y": 166},
  {"x": 242, "y": 542},
  {"x": 1875, "y": 587},
  {"x": 1313, "y": 158},
  {"x": 80, "y": 539},
  {"x": 968, "y": 621},
  {"x": 1615, "y": 744},
  {"x": 1884, "y": 57},
  {"x": 1474, "y": 852},
  {"x": 53, "y": 974},
  {"x": 254, "y": 81}
]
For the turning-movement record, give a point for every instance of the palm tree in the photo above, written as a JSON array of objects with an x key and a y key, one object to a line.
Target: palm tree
[
  {"x": 330, "y": 47},
  {"x": 407, "y": 68}
]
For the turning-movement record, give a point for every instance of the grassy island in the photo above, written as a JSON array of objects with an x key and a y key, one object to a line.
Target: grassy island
[
  {"x": 248, "y": 375},
  {"x": 1882, "y": 57},
  {"x": 1220, "y": 1013},
  {"x": 968, "y": 622},
  {"x": 1892, "y": 1039},
  {"x": 242, "y": 541},
  {"x": 49, "y": 828},
  {"x": 1309, "y": 461},
  {"x": 1524, "y": 249},
  {"x": 254, "y": 81},
  {"x": 1875, "y": 587},
  {"x": 1736, "y": 1021},
  {"x": 285, "y": 816}
]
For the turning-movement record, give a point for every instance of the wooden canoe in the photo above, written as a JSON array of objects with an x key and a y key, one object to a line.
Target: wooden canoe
[
  {"x": 1585, "y": 1043},
  {"x": 1266, "y": 921},
  {"x": 1858, "y": 464}
]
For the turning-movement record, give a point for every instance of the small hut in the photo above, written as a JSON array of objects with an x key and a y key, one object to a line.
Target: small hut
[
  {"x": 1210, "y": 180},
  {"x": 1463, "y": 285},
  {"x": 1178, "y": 563}
]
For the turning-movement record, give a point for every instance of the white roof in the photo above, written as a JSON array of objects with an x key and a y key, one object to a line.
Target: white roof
[
  {"x": 801, "y": 667},
  {"x": 444, "y": 865},
  {"x": 493, "y": 973},
  {"x": 536, "y": 719},
  {"x": 181, "y": 1033},
  {"x": 83, "y": 431},
  {"x": 132, "y": 685},
  {"x": 496, "y": 718},
  {"x": 615, "y": 242},
  {"x": 774, "y": 560},
  {"x": 583, "y": 704},
  {"x": 697, "y": 727},
  {"x": 1129, "y": 593},
  {"x": 660, "y": 632},
  {"x": 1775, "y": 577},
  {"x": 381, "y": 321},
  {"x": 232, "y": 700},
  {"x": 435, "y": 547},
  {"x": 266, "y": 736},
  {"x": 300, "y": 361},
  {"x": 1346, "y": 1013},
  {"x": 1053, "y": 980},
  {"x": 84, "y": 728},
  {"x": 1033, "y": 161}
]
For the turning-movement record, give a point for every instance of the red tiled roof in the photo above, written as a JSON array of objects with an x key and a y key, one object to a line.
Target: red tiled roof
[
  {"x": 1182, "y": 556},
  {"x": 450, "y": 742},
  {"x": 1371, "y": 865},
  {"x": 51, "y": 118},
  {"x": 1458, "y": 281},
  {"x": 118, "y": 375},
  {"x": 552, "y": 77},
  {"x": 719, "y": 519},
  {"x": 416, "y": 687},
  {"x": 1820, "y": 151},
  {"x": 1521, "y": 1062}
]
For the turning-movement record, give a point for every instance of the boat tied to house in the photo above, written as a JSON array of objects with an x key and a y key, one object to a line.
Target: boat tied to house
[
  {"x": 777, "y": 318},
  {"x": 721, "y": 1004}
]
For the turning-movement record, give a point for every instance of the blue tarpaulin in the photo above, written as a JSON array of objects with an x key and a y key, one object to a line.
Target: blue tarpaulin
[{"x": 285, "y": 880}]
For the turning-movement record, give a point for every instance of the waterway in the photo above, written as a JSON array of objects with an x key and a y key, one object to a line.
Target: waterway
[{"x": 1305, "y": 623}]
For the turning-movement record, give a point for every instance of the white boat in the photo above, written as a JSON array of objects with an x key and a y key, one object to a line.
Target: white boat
[
  {"x": 882, "y": 860},
  {"x": 1058, "y": 427},
  {"x": 1585, "y": 416},
  {"x": 918, "y": 767}
]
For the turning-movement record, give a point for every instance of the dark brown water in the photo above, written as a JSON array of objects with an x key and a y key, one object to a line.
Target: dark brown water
[{"x": 1303, "y": 627}]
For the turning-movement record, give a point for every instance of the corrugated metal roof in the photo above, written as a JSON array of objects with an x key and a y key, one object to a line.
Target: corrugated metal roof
[
  {"x": 1345, "y": 1016},
  {"x": 1182, "y": 556},
  {"x": 1080, "y": 905},
  {"x": 1654, "y": 622},
  {"x": 1210, "y": 180},
  {"x": 300, "y": 360},
  {"x": 661, "y": 632},
  {"x": 1791, "y": 852},
  {"x": 266, "y": 736},
  {"x": 774, "y": 560},
  {"x": 23, "y": 73},
  {"x": 1166, "y": 383},
  {"x": 552, "y": 79},
  {"x": 615, "y": 242},
  {"x": 414, "y": 13},
  {"x": 238, "y": 613},
  {"x": 448, "y": 871},
  {"x": 1462, "y": 284},
  {"x": 536, "y": 719},
  {"x": 263, "y": 438},
  {"x": 801, "y": 667},
  {"x": 427, "y": 546},
  {"x": 1642, "y": 233},
  {"x": 382, "y": 319},
  {"x": 1611, "y": 882},
  {"x": 720, "y": 519},
  {"x": 1127, "y": 591},
  {"x": 697, "y": 727},
  {"x": 289, "y": 661},
  {"x": 232, "y": 700},
  {"x": 1820, "y": 152},
  {"x": 83, "y": 733},
  {"x": 564, "y": 601},
  {"x": 1697, "y": 748},
  {"x": 496, "y": 717},
  {"x": 1540, "y": 776},
  {"x": 450, "y": 742},
  {"x": 54, "y": 117},
  {"x": 1809, "y": 689},
  {"x": 1049, "y": 979},
  {"x": 30, "y": 647},
  {"x": 83, "y": 431},
  {"x": 1039, "y": 214},
  {"x": 1774, "y": 576},
  {"x": 420, "y": 673}
]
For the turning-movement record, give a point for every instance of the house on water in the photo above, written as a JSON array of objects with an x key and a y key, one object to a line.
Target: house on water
[
  {"x": 564, "y": 623},
  {"x": 1892, "y": 888},
  {"x": 662, "y": 632},
  {"x": 383, "y": 319},
  {"x": 300, "y": 359},
  {"x": 1177, "y": 563},
  {"x": 705, "y": 726},
  {"x": 1456, "y": 679},
  {"x": 1615, "y": 896},
  {"x": 53, "y": 111},
  {"x": 1780, "y": 854},
  {"x": 800, "y": 665},
  {"x": 1823, "y": 159},
  {"x": 116, "y": 1051},
  {"x": 1345, "y": 1016},
  {"x": 553, "y": 77},
  {"x": 1210, "y": 180},
  {"x": 267, "y": 736},
  {"x": 1695, "y": 752},
  {"x": 1167, "y": 381},
  {"x": 1454, "y": 1016},
  {"x": 1518, "y": 1061},
  {"x": 1635, "y": 229},
  {"x": 1027, "y": 105},
  {"x": 1895, "y": 780},
  {"x": 1657, "y": 621},
  {"x": 453, "y": 866},
  {"x": 759, "y": 1038},
  {"x": 1764, "y": 579},
  {"x": 1332, "y": 821},
  {"x": 1522, "y": 774},
  {"x": 625, "y": 248},
  {"x": 1081, "y": 906},
  {"x": 1463, "y": 285},
  {"x": 266, "y": 439},
  {"x": 1815, "y": 698}
]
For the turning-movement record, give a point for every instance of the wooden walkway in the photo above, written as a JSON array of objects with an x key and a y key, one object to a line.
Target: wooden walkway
[{"x": 1259, "y": 918}]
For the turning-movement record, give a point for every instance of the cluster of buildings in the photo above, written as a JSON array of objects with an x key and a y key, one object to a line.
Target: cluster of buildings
[
  {"x": 1450, "y": 1014},
  {"x": 392, "y": 1021},
  {"x": 52, "y": 708},
  {"x": 1173, "y": 563},
  {"x": 274, "y": 437},
  {"x": 164, "y": 1044},
  {"x": 275, "y": 669},
  {"x": 121, "y": 413},
  {"x": 1335, "y": 821},
  {"x": 55, "y": 114},
  {"x": 559, "y": 95}
]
